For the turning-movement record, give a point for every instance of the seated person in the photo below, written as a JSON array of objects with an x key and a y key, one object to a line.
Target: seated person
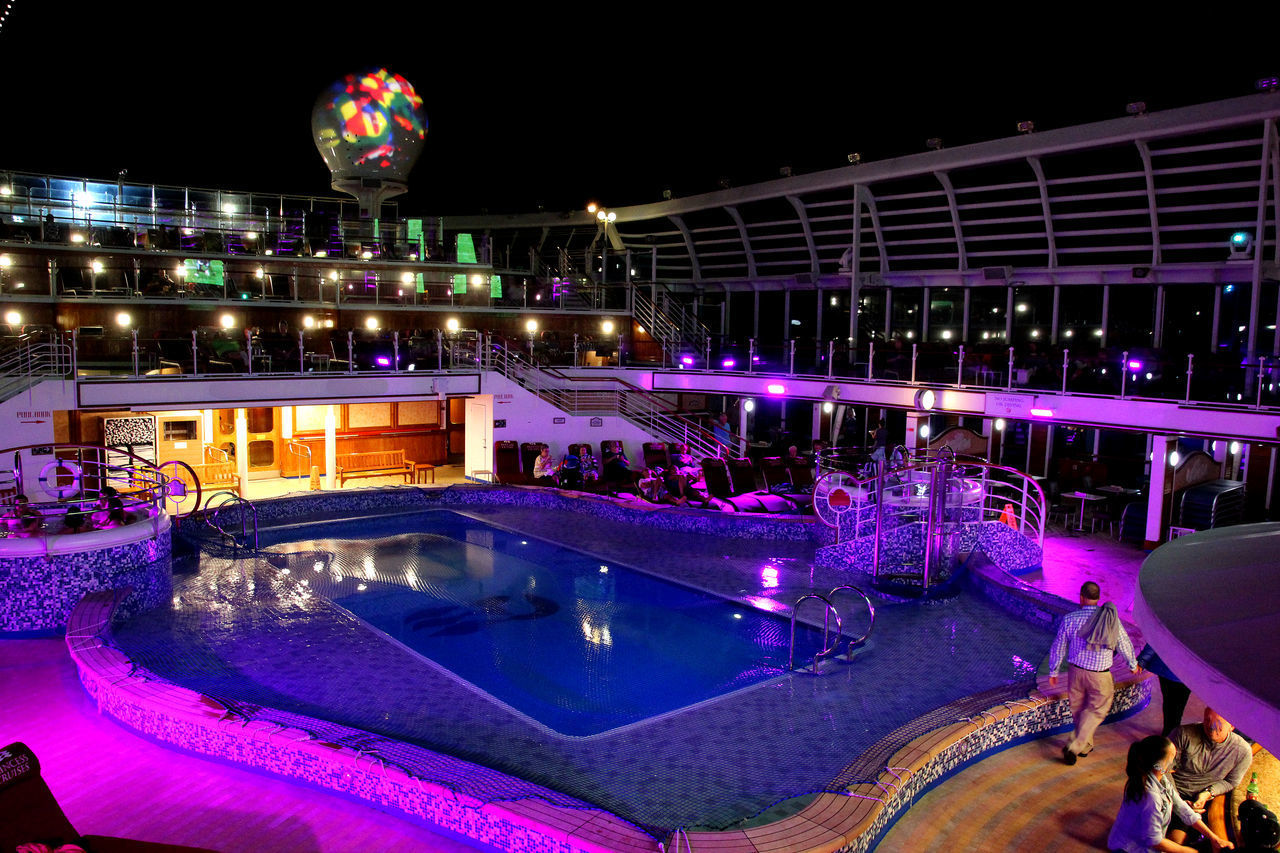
[
  {"x": 109, "y": 512},
  {"x": 1212, "y": 760},
  {"x": 683, "y": 463},
  {"x": 587, "y": 463},
  {"x": 1150, "y": 802},
  {"x": 76, "y": 520},
  {"x": 570, "y": 473},
  {"x": 616, "y": 468},
  {"x": 22, "y": 519},
  {"x": 544, "y": 468}
]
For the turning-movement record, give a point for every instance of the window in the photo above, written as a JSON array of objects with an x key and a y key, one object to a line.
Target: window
[{"x": 181, "y": 430}]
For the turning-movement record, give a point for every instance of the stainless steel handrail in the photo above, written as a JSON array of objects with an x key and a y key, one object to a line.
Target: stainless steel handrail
[
  {"x": 870, "y": 608},
  {"x": 292, "y": 449},
  {"x": 227, "y": 499},
  {"x": 827, "y": 646}
]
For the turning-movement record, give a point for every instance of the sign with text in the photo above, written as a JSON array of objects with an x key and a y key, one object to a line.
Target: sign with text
[{"x": 1008, "y": 405}]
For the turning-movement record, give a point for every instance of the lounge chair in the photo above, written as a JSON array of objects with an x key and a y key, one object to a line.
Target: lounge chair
[{"x": 506, "y": 463}]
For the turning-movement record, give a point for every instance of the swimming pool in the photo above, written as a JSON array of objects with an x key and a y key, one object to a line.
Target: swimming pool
[
  {"x": 710, "y": 764},
  {"x": 573, "y": 643}
]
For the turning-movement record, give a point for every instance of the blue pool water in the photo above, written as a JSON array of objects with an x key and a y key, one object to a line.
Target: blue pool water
[
  {"x": 273, "y": 646},
  {"x": 576, "y": 644}
]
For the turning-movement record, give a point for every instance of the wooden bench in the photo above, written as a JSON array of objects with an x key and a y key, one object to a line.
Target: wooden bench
[
  {"x": 377, "y": 463},
  {"x": 214, "y": 476}
]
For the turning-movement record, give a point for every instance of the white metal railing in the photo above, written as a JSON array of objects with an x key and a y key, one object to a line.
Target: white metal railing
[
  {"x": 677, "y": 331},
  {"x": 33, "y": 358},
  {"x": 637, "y": 406}
]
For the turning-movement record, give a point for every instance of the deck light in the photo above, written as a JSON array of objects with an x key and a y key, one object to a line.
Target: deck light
[
  {"x": 728, "y": 364},
  {"x": 925, "y": 399},
  {"x": 6, "y": 190},
  {"x": 776, "y": 388},
  {"x": 6, "y": 261},
  {"x": 607, "y": 327},
  {"x": 1042, "y": 413},
  {"x": 308, "y": 322},
  {"x": 96, "y": 266},
  {"x": 366, "y": 255},
  {"x": 686, "y": 360},
  {"x": 77, "y": 237},
  {"x": 1135, "y": 366},
  {"x": 451, "y": 324},
  {"x": 123, "y": 320},
  {"x": 407, "y": 277},
  {"x": 227, "y": 321},
  {"x": 999, "y": 424},
  {"x": 1174, "y": 458},
  {"x": 477, "y": 280},
  {"x": 1234, "y": 447},
  {"x": 531, "y": 326},
  {"x": 924, "y": 430},
  {"x": 828, "y": 407},
  {"x": 371, "y": 323},
  {"x": 13, "y": 318},
  {"x": 748, "y": 405}
]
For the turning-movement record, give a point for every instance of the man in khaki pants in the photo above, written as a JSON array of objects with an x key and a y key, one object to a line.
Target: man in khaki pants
[{"x": 1088, "y": 639}]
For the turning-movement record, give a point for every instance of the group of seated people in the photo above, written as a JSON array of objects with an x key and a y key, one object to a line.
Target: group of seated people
[
  {"x": 678, "y": 482},
  {"x": 22, "y": 520}
]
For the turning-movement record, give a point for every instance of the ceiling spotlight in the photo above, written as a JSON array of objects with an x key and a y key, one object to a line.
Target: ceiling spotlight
[
  {"x": 1026, "y": 127},
  {"x": 1137, "y": 108},
  {"x": 855, "y": 158},
  {"x": 1241, "y": 245},
  {"x": 933, "y": 143},
  {"x": 1268, "y": 84}
]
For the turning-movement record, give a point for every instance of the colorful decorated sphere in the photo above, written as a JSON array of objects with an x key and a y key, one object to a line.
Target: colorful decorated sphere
[{"x": 369, "y": 125}]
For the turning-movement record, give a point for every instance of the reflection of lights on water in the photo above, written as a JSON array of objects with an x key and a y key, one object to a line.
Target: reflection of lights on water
[
  {"x": 369, "y": 571},
  {"x": 759, "y": 602},
  {"x": 737, "y": 616},
  {"x": 317, "y": 566},
  {"x": 284, "y": 571},
  {"x": 604, "y": 570},
  {"x": 523, "y": 542},
  {"x": 599, "y": 636},
  {"x": 769, "y": 576},
  {"x": 362, "y": 587}
]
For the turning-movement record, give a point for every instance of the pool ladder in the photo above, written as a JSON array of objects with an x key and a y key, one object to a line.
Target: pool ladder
[
  {"x": 830, "y": 646},
  {"x": 219, "y": 502}
]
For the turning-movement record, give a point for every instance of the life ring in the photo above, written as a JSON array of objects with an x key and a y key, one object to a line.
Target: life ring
[{"x": 49, "y": 479}]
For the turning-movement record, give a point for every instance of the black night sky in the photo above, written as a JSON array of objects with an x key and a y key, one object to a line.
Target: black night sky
[{"x": 561, "y": 105}]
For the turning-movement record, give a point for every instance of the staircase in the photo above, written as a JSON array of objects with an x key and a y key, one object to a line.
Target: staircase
[
  {"x": 672, "y": 324},
  {"x": 636, "y": 405},
  {"x": 30, "y": 359}
]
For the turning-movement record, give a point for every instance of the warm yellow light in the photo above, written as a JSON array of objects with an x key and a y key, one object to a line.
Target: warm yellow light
[
  {"x": 308, "y": 322},
  {"x": 96, "y": 266},
  {"x": 371, "y": 323},
  {"x": 77, "y": 237},
  {"x": 259, "y": 272},
  {"x": 592, "y": 207},
  {"x": 451, "y": 324},
  {"x": 407, "y": 278},
  {"x": 477, "y": 280},
  {"x": 250, "y": 235},
  {"x": 531, "y": 326},
  {"x": 366, "y": 255},
  {"x": 328, "y": 323},
  {"x": 180, "y": 270},
  {"x": 13, "y": 318},
  {"x": 6, "y": 190},
  {"x": 123, "y": 320},
  {"x": 607, "y": 327},
  {"x": 227, "y": 321},
  {"x": 333, "y": 275},
  {"x": 228, "y": 208}
]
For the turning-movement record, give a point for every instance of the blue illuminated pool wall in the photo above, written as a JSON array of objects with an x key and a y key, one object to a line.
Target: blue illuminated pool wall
[{"x": 43, "y": 578}]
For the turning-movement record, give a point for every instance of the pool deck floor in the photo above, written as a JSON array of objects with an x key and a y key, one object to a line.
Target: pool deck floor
[{"x": 112, "y": 781}]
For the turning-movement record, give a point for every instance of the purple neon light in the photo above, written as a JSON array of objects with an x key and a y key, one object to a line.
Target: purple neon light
[
  {"x": 688, "y": 359},
  {"x": 728, "y": 363},
  {"x": 1042, "y": 413},
  {"x": 382, "y": 361},
  {"x": 776, "y": 389},
  {"x": 1135, "y": 365}
]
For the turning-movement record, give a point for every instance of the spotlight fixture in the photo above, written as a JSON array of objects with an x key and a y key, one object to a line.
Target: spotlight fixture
[
  {"x": 925, "y": 399},
  {"x": 666, "y": 194},
  {"x": 1268, "y": 84},
  {"x": 855, "y": 158},
  {"x": 1241, "y": 245},
  {"x": 933, "y": 143},
  {"x": 1136, "y": 108},
  {"x": 1026, "y": 127}
]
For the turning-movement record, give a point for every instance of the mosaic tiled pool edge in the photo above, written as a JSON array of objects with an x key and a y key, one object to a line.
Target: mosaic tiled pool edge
[{"x": 832, "y": 822}]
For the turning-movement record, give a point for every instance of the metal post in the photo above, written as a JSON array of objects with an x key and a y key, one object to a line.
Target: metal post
[
  {"x": 960, "y": 367},
  {"x": 575, "y": 349},
  {"x": 831, "y": 357},
  {"x": 302, "y": 353},
  {"x": 875, "y": 540},
  {"x": 792, "y": 371},
  {"x": 871, "y": 357},
  {"x": 195, "y": 355},
  {"x": 440, "y": 349},
  {"x": 915, "y": 352},
  {"x": 248, "y": 348},
  {"x": 1262, "y": 363},
  {"x": 395, "y": 350},
  {"x": 1191, "y": 359},
  {"x": 1124, "y": 371},
  {"x": 1066, "y": 365},
  {"x": 351, "y": 351},
  {"x": 1008, "y": 382},
  {"x": 135, "y": 353},
  {"x": 751, "y": 355},
  {"x": 707, "y": 363}
]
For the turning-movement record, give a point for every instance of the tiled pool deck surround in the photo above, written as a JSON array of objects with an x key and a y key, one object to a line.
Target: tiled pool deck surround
[{"x": 850, "y": 820}]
